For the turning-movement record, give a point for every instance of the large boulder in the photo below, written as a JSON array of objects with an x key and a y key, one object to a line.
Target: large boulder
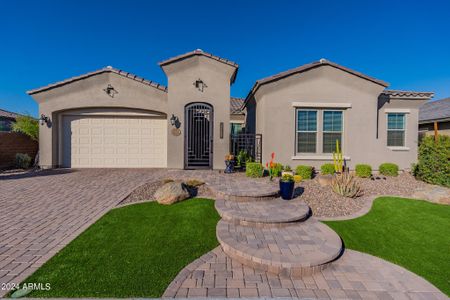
[{"x": 171, "y": 192}]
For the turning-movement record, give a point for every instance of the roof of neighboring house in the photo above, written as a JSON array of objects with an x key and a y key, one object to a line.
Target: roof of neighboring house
[
  {"x": 103, "y": 70},
  {"x": 409, "y": 94},
  {"x": 435, "y": 110},
  {"x": 200, "y": 52},
  {"x": 236, "y": 105},
  {"x": 8, "y": 114},
  {"x": 319, "y": 63}
]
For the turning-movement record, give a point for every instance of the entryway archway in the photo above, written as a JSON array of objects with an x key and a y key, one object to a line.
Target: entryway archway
[{"x": 198, "y": 136}]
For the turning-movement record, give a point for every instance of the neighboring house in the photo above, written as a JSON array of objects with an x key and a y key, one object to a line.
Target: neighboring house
[
  {"x": 6, "y": 120},
  {"x": 111, "y": 118},
  {"x": 435, "y": 112}
]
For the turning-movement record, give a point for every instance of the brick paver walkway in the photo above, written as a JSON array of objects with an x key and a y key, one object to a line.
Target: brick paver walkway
[{"x": 354, "y": 276}]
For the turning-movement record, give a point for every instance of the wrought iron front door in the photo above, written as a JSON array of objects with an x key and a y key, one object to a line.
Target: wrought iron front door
[{"x": 198, "y": 137}]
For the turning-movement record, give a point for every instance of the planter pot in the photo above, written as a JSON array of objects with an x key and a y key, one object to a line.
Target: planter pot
[
  {"x": 229, "y": 166},
  {"x": 287, "y": 172},
  {"x": 287, "y": 190}
]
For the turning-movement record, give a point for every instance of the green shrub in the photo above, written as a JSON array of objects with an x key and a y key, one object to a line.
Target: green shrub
[
  {"x": 305, "y": 172},
  {"x": 327, "y": 169},
  {"x": 388, "y": 169},
  {"x": 434, "y": 160},
  {"x": 363, "y": 171},
  {"x": 254, "y": 170},
  {"x": 276, "y": 169},
  {"x": 23, "y": 161},
  {"x": 28, "y": 126}
]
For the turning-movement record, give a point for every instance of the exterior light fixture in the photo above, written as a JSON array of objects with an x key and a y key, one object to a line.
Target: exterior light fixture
[
  {"x": 110, "y": 91},
  {"x": 44, "y": 119},
  {"x": 175, "y": 122},
  {"x": 200, "y": 85}
]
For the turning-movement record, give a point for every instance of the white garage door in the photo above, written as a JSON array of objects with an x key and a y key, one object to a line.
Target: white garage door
[{"x": 114, "y": 142}]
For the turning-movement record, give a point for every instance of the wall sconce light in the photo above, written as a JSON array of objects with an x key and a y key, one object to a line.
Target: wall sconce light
[
  {"x": 110, "y": 91},
  {"x": 175, "y": 122},
  {"x": 200, "y": 85},
  {"x": 44, "y": 119},
  {"x": 221, "y": 130}
]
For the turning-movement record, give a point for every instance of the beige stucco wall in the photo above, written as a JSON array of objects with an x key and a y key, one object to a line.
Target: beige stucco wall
[
  {"x": 88, "y": 93},
  {"x": 181, "y": 76},
  {"x": 274, "y": 118}
]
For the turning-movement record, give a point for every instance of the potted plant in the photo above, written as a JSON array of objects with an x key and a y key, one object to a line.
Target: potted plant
[
  {"x": 229, "y": 163},
  {"x": 287, "y": 187},
  {"x": 287, "y": 170}
]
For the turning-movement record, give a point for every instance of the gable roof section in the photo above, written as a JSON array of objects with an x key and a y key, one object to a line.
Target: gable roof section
[
  {"x": 8, "y": 114},
  {"x": 236, "y": 106},
  {"x": 408, "y": 94},
  {"x": 435, "y": 110},
  {"x": 200, "y": 52},
  {"x": 90, "y": 74},
  {"x": 307, "y": 67}
]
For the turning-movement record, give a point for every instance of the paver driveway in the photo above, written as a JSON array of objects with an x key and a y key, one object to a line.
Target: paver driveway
[{"x": 41, "y": 213}]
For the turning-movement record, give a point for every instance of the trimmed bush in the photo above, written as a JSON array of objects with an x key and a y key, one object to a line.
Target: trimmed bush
[
  {"x": 254, "y": 170},
  {"x": 23, "y": 161},
  {"x": 388, "y": 169},
  {"x": 305, "y": 172},
  {"x": 327, "y": 169},
  {"x": 297, "y": 178},
  {"x": 434, "y": 160},
  {"x": 363, "y": 171},
  {"x": 276, "y": 169}
]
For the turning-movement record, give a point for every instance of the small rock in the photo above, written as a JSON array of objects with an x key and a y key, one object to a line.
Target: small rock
[
  {"x": 324, "y": 180},
  {"x": 171, "y": 192}
]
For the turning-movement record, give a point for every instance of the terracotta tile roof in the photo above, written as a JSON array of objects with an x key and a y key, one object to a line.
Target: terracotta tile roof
[
  {"x": 236, "y": 106},
  {"x": 319, "y": 63},
  {"x": 410, "y": 94},
  {"x": 435, "y": 110},
  {"x": 8, "y": 114},
  {"x": 202, "y": 53},
  {"x": 103, "y": 70}
]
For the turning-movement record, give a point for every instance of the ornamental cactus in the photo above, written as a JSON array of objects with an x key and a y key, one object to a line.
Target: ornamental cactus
[
  {"x": 345, "y": 185},
  {"x": 338, "y": 159}
]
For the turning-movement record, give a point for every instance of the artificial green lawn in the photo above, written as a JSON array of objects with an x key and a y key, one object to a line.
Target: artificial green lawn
[
  {"x": 134, "y": 251},
  {"x": 411, "y": 233}
]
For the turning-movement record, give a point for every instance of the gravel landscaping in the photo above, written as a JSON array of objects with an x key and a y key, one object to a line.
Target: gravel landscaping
[{"x": 325, "y": 203}]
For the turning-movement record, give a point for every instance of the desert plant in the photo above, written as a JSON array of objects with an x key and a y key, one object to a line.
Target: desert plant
[
  {"x": 388, "y": 169},
  {"x": 344, "y": 184},
  {"x": 287, "y": 168},
  {"x": 167, "y": 180},
  {"x": 28, "y": 126},
  {"x": 327, "y": 169},
  {"x": 297, "y": 178},
  {"x": 276, "y": 169},
  {"x": 242, "y": 158},
  {"x": 287, "y": 178},
  {"x": 363, "y": 170},
  {"x": 338, "y": 159},
  {"x": 254, "y": 170},
  {"x": 23, "y": 161},
  {"x": 305, "y": 172},
  {"x": 434, "y": 160}
]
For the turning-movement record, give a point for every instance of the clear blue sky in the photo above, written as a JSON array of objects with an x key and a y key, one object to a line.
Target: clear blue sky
[{"x": 406, "y": 43}]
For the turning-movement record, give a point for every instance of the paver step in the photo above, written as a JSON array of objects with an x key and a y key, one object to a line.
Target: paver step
[
  {"x": 244, "y": 191},
  {"x": 296, "y": 250},
  {"x": 260, "y": 213}
]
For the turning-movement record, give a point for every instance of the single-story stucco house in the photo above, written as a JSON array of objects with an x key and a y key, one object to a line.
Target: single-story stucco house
[
  {"x": 111, "y": 118},
  {"x": 435, "y": 112}
]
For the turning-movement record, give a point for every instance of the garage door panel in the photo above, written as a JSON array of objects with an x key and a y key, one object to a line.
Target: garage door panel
[{"x": 109, "y": 141}]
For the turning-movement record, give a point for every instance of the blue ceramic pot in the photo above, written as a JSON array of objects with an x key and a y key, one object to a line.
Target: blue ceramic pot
[
  {"x": 286, "y": 190},
  {"x": 229, "y": 166}
]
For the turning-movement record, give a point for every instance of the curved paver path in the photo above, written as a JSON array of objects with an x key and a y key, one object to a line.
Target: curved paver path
[
  {"x": 354, "y": 276},
  {"x": 276, "y": 211},
  {"x": 296, "y": 250}
]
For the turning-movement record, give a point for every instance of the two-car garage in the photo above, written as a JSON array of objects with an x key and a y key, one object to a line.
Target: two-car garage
[{"x": 119, "y": 140}]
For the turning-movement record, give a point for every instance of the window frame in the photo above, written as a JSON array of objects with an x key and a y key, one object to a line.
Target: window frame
[
  {"x": 340, "y": 132},
  {"x": 404, "y": 129},
  {"x": 297, "y": 131}
]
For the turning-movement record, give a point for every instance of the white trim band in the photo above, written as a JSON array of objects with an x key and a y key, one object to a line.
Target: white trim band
[
  {"x": 321, "y": 104},
  {"x": 397, "y": 110},
  {"x": 399, "y": 148}
]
